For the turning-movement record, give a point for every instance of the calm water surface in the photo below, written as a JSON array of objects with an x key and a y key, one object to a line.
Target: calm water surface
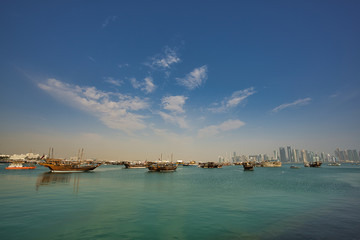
[{"x": 191, "y": 203}]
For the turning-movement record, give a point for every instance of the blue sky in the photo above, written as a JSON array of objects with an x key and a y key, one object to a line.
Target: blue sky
[{"x": 130, "y": 80}]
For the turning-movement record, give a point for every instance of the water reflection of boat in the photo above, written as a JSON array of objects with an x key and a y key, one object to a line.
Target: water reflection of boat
[
  {"x": 19, "y": 166},
  {"x": 248, "y": 166},
  {"x": 52, "y": 178}
]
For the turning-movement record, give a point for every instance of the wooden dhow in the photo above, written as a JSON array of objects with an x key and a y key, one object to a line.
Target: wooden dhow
[{"x": 62, "y": 165}]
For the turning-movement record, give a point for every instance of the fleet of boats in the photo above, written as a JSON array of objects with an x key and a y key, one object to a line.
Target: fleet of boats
[{"x": 80, "y": 165}]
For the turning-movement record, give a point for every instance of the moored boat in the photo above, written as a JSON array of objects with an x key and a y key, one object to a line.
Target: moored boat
[
  {"x": 136, "y": 164},
  {"x": 315, "y": 164},
  {"x": 210, "y": 165},
  {"x": 62, "y": 165},
  {"x": 334, "y": 164},
  {"x": 248, "y": 166},
  {"x": 162, "y": 167},
  {"x": 19, "y": 166},
  {"x": 270, "y": 164},
  {"x": 294, "y": 167}
]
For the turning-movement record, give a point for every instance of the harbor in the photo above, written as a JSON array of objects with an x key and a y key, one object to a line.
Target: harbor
[{"x": 189, "y": 203}]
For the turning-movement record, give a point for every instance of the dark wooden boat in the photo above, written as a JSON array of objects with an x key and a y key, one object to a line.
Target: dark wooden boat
[
  {"x": 162, "y": 167},
  {"x": 210, "y": 165},
  {"x": 248, "y": 166},
  {"x": 137, "y": 164},
  {"x": 60, "y": 165},
  {"x": 315, "y": 164}
]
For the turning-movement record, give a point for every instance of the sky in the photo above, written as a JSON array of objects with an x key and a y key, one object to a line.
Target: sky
[{"x": 131, "y": 80}]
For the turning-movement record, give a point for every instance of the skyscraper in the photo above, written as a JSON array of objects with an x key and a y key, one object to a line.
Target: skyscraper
[
  {"x": 289, "y": 154},
  {"x": 282, "y": 154}
]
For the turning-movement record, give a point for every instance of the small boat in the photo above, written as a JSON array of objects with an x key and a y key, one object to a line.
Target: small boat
[
  {"x": 334, "y": 164},
  {"x": 162, "y": 167},
  {"x": 294, "y": 167},
  {"x": 210, "y": 165},
  {"x": 19, "y": 166},
  {"x": 248, "y": 166}
]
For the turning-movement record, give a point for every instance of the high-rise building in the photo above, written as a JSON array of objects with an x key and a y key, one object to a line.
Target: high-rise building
[
  {"x": 282, "y": 154},
  {"x": 304, "y": 155},
  {"x": 276, "y": 155},
  {"x": 289, "y": 154},
  {"x": 297, "y": 159},
  {"x": 356, "y": 155}
]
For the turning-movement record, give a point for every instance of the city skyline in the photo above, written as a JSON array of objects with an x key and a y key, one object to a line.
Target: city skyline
[{"x": 132, "y": 80}]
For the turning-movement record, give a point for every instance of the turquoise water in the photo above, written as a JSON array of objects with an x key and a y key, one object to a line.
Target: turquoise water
[{"x": 191, "y": 203}]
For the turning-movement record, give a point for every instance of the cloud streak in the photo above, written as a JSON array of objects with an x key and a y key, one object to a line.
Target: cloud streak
[
  {"x": 233, "y": 101},
  {"x": 113, "y": 109},
  {"x": 164, "y": 60},
  {"x": 299, "y": 102},
  {"x": 175, "y": 105},
  {"x": 194, "y": 79},
  {"x": 146, "y": 86},
  {"x": 217, "y": 129}
]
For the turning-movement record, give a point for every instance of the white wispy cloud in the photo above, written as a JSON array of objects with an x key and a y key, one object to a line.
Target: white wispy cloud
[
  {"x": 194, "y": 79},
  {"x": 113, "y": 81},
  {"x": 113, "y": 109},
  {"x": 108, "y": 20},
  {"x": 164, "y": 60},
  {"x": 217, "y": 129},
  {"x": 233, "y": 101},
  {"x": 146, "y": 86},
  {"x": 175, "y": 105},
  {"x": 299, "y": 102}
]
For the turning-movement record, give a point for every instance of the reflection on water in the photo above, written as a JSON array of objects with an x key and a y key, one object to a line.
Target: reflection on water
[{"x": 51, "y": 179}]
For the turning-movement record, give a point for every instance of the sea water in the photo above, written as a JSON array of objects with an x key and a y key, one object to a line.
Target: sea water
[{"x": 192, "y": 203}]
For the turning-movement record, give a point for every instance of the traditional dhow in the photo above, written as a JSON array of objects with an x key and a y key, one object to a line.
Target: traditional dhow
[
  {"x": 210, "y": 165},
  {"x": 162, "y": 167},
  {"x": 270, "y": 164},
  {"x": 61, "y": 165},
  {"x": 315, "y": 164},
  {"x": 137, "y": 164},
  {"x": 248, "y": 166}
]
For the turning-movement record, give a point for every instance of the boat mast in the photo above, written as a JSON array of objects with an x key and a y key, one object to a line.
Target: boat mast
[{"x": 82, "y": 152}]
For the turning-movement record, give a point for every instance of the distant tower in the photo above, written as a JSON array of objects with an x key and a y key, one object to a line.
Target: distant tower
[
  {"x": 282, "y": 154},
  {"x": 289, "y": 154},
  {"x": 276, "y": 155}
]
